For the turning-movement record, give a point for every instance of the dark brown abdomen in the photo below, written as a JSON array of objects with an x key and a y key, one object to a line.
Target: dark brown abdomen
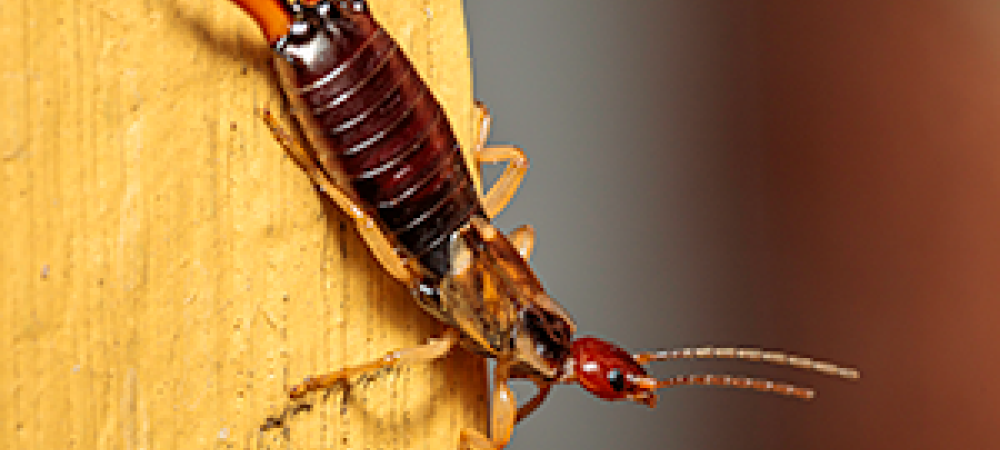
[{"x": 385, "y": 128}]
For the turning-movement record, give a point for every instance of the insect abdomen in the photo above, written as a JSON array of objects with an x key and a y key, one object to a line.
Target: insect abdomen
[{"x": 386, "y": 131}]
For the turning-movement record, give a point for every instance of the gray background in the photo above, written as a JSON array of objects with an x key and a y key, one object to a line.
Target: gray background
[
  {"x": 624, "y": 109},
  {"x": 819, "y": 177}
]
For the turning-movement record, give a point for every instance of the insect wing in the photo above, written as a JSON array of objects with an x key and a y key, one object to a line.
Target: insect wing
[{"x": 477, "y": 300}]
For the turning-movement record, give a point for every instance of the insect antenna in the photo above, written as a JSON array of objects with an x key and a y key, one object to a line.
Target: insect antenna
[
  {"x": 728, "y": 381},
  {"x": 749, "y": 354},
  {"x": 742, "y": 353}
]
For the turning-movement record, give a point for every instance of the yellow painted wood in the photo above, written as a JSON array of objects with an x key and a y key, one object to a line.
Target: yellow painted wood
[{"x": 166, "y": 270}]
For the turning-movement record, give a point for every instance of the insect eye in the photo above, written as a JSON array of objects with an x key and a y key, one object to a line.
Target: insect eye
[{"x": 617, "y": 380}]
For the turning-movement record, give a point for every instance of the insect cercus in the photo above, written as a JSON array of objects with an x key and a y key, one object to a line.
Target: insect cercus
[{"x": 380, "y": 146}]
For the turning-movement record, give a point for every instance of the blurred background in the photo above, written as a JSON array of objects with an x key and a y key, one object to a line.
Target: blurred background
[{"x": 817, "y": 177}]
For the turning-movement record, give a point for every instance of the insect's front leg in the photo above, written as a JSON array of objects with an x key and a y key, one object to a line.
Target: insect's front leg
[
  {"x": 544, "y": 388},
  {"x": 503, "y": 415}
]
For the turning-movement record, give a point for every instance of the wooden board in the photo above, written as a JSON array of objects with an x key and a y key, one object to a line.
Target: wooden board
[{"x": 167, "y": 270}]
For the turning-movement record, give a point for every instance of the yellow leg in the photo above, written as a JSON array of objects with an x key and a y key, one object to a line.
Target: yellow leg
[
  {"x": 433, "y": 349},
  {"x": 523, "y": 239},
  {"x": 499, "y": 195},
  {"x": 503, "y": 415},
  {"x": 383, "y": 249}
]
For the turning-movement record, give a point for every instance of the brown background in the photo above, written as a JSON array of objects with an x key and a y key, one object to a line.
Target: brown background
[{"x": 821, "y": 177}]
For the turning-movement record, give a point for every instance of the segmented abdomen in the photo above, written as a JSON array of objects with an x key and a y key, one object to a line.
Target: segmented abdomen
[{"x": 386, "y": 130}]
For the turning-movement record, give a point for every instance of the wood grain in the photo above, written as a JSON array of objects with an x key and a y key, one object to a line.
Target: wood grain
[{"x": 167, "y": 270}]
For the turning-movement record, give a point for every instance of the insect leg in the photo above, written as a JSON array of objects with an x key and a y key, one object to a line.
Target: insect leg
[
  {"x": 523, "y": 239},
  {"x": 544, "y": 387},
  {"x": 433, "y": 349},
  {"x": 380, "y": 246},
  {"x": 499, "y": 195},
  {"x": 503, "y": 415}
]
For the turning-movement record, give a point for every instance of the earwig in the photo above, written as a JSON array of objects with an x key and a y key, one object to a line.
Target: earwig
[{"x": 380, "y": 146}]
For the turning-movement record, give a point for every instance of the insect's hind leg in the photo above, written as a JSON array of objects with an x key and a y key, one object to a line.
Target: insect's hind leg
[
  {"x": 500, "y": 194},
  {"x": 433, "y": 349},
  {"x": 383, "y": 249}
]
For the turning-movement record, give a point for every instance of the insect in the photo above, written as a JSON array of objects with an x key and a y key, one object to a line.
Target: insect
[{"x": 380, "y": 146}]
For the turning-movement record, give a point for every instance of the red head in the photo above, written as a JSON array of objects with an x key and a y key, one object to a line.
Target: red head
[{"x": 611, "y": 373}]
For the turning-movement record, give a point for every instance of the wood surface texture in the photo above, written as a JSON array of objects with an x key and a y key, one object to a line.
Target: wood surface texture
[{"x": 167, "y": 270}]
